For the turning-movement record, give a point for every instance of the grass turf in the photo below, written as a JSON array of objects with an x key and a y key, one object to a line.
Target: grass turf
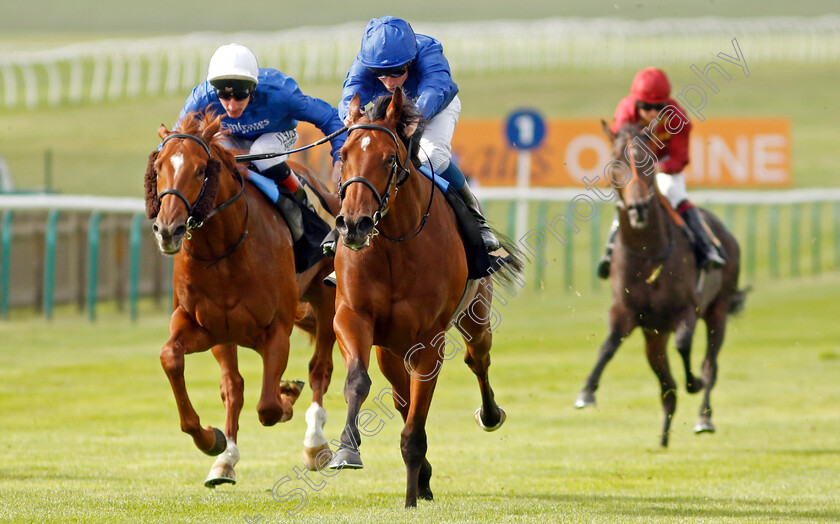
[{"x": 91, "y": 431}]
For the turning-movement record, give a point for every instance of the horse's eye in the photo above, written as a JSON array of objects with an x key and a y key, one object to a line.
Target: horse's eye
[
  {"x": 390, "y": 160},
  {"x": 201, "y": 170}
]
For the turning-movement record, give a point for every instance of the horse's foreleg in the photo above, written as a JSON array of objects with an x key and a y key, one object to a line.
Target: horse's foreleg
[
  {"x": 393, "y": 368},
  {"x": 186, "y": 337},
  {"x": 715, "y": 331},
  {"x": 355, "y": 338},
  {"x": 619, "y": 330},
  {"x": 232, "y": 387},
  {"x": 320, "y": 373},
  {"x": 489, "y": 416},
  {"x": 276, "y": 399},
  {"x": 413, "y": 444},
  {"x": 683, "y": 339},
  {"x": 655, "y": 348}
]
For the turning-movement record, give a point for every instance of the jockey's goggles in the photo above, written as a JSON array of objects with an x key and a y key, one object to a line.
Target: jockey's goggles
[
  {"x": 393, "y": 72},
  {"x": 236, "y": 89},
  {"x": 646, "y": 106}
]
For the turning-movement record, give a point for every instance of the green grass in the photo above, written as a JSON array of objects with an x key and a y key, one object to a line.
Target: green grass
[{"x": 91, "y": 431}]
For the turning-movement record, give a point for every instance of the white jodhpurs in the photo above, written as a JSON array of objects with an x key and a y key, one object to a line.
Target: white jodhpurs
[
  {"x": 278, "y": 142},
  {"x": 673, "y": 187},
  {"x": 436, "y": 143}
]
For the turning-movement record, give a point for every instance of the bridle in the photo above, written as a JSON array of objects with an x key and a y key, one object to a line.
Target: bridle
[
  {"x": 651, "y": 201},
  {"x": 398, "y": 176},
  {"x": 192, "y": 222}
]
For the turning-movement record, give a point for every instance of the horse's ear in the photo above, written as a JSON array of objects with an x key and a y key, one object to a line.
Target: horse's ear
[
  {"x": 163, "y": 132},
  {"x": 607, "y": 131},
  {"x": 354, "y": 111},
  {"x": 392, "y": 115},
  {"x": 211, "y": 129},
  {"x": 152, "y": 202}
]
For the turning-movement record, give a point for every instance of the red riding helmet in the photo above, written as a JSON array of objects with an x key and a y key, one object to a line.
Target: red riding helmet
[{"x": 651, "y": 86}]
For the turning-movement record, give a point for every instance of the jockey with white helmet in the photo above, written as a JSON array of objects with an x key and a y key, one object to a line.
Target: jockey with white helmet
[
  {"x": 392, "y": 56},
  {"x": 262, "y": 107}
]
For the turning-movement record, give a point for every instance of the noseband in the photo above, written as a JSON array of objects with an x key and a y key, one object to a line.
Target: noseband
[
  {"x": 398, "y": 176},
  {"x": 192, "y": 223}
]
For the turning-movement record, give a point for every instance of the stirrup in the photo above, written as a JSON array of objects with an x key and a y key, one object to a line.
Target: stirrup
[
  {"x": 604, "y": 267},
  {"x": 330, "y": 280}
]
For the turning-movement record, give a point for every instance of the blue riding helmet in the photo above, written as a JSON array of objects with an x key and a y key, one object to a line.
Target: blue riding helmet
[{"x": 387, "y": 42}]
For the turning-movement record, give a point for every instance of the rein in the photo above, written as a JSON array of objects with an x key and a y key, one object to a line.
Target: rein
[
  {"x": 399, "y": 173},
  {"x": 191, "y": 222}
]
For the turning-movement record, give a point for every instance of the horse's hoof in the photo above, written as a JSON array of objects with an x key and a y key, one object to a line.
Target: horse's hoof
[
  {"x": 490, "y": 428},
  {"x": 584, "y": 399},
  {"x": 220, "y": 473},
  {"x": 317, "y": 458},
  {"x": 346, "y": 458},
  {"x": 219, "y": 446},
  {"x": 425, "y": 494},
  {"x": 704, "y": 425},
  {"x": 695, "y": 386}
]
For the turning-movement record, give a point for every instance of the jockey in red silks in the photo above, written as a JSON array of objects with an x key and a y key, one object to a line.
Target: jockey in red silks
[
  {"x": 392, "y": 56},
  {"x": 650, "y": 101}
]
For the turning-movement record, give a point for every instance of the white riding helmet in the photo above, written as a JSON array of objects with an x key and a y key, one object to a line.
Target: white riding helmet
[{"x": 233, "y": 62}]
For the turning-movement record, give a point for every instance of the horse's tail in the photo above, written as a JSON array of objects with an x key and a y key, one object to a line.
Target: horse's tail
[
  {"x": 739, "y": 299},
  {"x": 511, "y": 272}
]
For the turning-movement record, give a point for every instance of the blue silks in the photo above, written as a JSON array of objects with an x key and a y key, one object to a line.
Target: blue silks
[{"x": 265, "y": 184}]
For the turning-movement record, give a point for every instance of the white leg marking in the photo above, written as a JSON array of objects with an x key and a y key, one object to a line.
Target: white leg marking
[{"x": 316, "y": 417}]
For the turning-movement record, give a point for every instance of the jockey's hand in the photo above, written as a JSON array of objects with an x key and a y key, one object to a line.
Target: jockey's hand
[{"x": 336, "y": 174}]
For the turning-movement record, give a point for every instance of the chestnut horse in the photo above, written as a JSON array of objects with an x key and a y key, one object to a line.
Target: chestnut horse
[
  {"x": 655, "y": 283},
  {"x": 402, "y": 281},
  {"x": 234, "y": 284}
]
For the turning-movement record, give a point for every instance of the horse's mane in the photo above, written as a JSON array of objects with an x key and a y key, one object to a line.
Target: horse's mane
[{"x": 409, "y": 115}]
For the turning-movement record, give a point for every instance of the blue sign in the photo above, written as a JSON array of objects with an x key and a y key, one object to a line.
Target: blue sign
[{"x": 525, "y": 129}]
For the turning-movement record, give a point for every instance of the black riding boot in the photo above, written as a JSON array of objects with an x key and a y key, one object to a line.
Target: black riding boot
[
  {"x": 280, "y": 173},
  {"x": 491, "y": 243},
  {"x": 708, "y": 254},
  {"x": 290, "y": 210},
  {"x": 606, "y": 260}
]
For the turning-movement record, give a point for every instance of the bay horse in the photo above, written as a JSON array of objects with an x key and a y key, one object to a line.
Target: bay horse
[
  {"x": 234, "y": 284},
  {"x": 402, "y": 279},
  {"x": 655, "y": 284}
]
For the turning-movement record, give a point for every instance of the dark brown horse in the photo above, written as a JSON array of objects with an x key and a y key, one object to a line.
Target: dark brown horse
[
  {"x": 655, "y": 283},
  {"x": 402, "y": 283},
  {"x": 234, "y": 284}
]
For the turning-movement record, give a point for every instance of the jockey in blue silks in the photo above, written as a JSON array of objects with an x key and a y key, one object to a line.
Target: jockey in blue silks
[
  {"x": 392, "y": 56},
  {"x": 261, "y": 108}
]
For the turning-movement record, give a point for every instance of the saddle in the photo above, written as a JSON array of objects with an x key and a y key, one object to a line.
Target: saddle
[
  {"x": 301, "y": 218},
  {"x": 479, "y": 262}
]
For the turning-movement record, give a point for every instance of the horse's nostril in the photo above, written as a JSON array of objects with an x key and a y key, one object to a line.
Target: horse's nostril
[
  {"x": 340, "y": 224},
  {"x": 155, "y": 227},
  {"x": 365, "y": 226},
  {"x": 180, "y": 230}
]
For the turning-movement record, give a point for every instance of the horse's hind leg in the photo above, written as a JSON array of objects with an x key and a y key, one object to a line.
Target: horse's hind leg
[
  {"x": 474, "y": 326},
  {"x": 316, "y": 450},
  {"x": 658, "y": 359},
  {"x": 186, "y": 337},
  {"x": 232, "y": 387},
  {"x": 619, "y": 330},
  {"x": 683, "y": 337},
  {"x": 394, "y": 370},
  {"x": 715, "y": 330}
]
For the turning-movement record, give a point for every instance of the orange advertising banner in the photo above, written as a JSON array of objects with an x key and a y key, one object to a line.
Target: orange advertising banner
[
  {"x": 724, "y": 152},
  {"x": 731, "y": 152}
]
